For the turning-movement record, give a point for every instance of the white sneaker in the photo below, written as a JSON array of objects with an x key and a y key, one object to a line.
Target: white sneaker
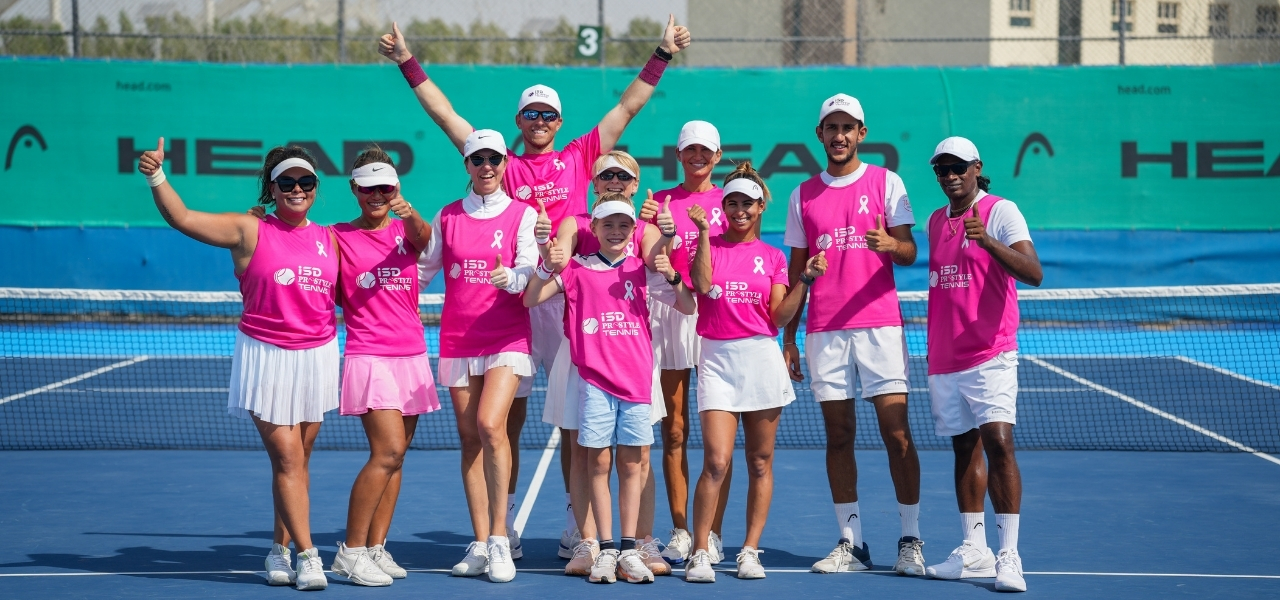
[
  {"x": 475, "y": 563},
  {"x": 501, "y": 569},
  {"x": 311, "y": 571},
  {"x": 698, "y": 569},
  {"x": 966, "y": 561},
  {"x": 1009, "y": 572},
  {"x": 605, "y": 570},
  {"x": 513, "y": 542},
  {"x": 568, "y": 541},
  {"x": 715, "y": 548},
  {"x": 279, "y": 571},
  {"x": 584, "y": 558},
  {"x": 650, "y": 549},
  {"x": 749, "y": 566},
  {"x": 678, "y": 549},
  {"x": 844, "y": 558},
  {"x": 910, "y": 557},
  {"x": 379, "y": 555},
  {"x": 358, "y": 567},
  {"x": 632, "y": 569}
]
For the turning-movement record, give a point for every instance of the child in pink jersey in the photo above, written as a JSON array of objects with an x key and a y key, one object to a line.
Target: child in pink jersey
[
  {"x": 386, "y": 377},
  {"x": 606, "y": 295},
  {"x": 484, "y": 339},
  {"x": 284, "y": 373},
  {"x": 979, "y": 247},
  {"x": 742, "y": 286}
]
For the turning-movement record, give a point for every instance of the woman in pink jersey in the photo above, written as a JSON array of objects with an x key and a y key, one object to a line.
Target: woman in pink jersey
[
  {"x": 284, "y": 372},
  {"x": 606, "y": 300},
  {"x": 979, "y": 247},
  {"x": 742, "y": 286},
  {"x": 484, "y": 338},
  {"x": 386, "y": 376},
  {"x": 675, "y": 335}
]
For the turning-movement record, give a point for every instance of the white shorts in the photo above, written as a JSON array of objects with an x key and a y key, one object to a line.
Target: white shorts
[
  {"x": 282, "y": 387},
  {"x": 563, "y": 395},
  {"x": 457, "y": 372},
  {"x": 675, "y": 337},
  {"x": 971, "y": 398},
  {"x": 547, "y": 321},
  {"x": 875, "y": 355},
  {"x": 743, "y": 375}
]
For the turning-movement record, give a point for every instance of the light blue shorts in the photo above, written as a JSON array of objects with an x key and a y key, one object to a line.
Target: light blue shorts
[{"x": 607, "y": 421}]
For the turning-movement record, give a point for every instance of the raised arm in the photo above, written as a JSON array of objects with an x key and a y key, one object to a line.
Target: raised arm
[
  {"x": 392, "y": 46},
  {"x": 700, "y": 268},
  {"x": 545, "y": 283},
  {"x": 674, "y": 39},
  {"x": 418, "y": 229},
  {"x": 684, "y": 301},
  {"x": 784, "y": 306},
  {"x": 1019, "y": 259},
  {"x": 896, "y": 241},
  {"x": 224, "y": 230}
]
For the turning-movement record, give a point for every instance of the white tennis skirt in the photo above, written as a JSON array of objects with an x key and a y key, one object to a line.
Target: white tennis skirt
[
  {"x": 457, "y": 372},
  {"x": 562, "y": 407},
  {"x": 675, "y": 337},
  {"x": 743, "y": 375},
  {"x": 282, "y": 387}
]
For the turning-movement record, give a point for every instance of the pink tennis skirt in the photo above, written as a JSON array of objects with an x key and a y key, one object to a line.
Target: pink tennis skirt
[{"x": 402, "y": 383}]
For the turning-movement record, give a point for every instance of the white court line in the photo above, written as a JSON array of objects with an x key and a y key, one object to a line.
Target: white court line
[
  {"x": 723, "y": 570},
  {"x": 531, "y": 495},
  {"x": 1153, "y": 410},
  {"x": 81, "y": 377},
  {"x": 1227, "y": 372}
]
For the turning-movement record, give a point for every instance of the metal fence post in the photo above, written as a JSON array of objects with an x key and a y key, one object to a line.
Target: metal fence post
[
  {"x": 1123, "y": 7},
  {"x": 604, "y": 37},
  {"x": 75, "y": 28},
  {"x": 342, "y": 31}
]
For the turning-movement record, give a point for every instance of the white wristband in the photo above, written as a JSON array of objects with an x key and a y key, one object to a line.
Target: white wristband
[
  {"x": 155, "y": 179},
  {"x": 543, "y": 273}
]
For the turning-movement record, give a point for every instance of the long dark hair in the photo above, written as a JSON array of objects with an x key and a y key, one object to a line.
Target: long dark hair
[
  {"x": 276, "y": 156},
  {"x": 984, "y": 183}
]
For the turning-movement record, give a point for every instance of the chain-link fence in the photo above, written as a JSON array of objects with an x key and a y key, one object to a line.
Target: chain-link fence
[{"x": 727, "y": 33}]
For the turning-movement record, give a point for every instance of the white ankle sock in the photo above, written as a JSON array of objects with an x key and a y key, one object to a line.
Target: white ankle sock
[
  {"x": 850, "y": 523},
  {"x": 974, "y": 529},
  {"x": 910, "y": 514},
  {"x": 570, "y": 522},
  {"x": 1007, "y": 526},
  {"x": 511, "y": 512}
]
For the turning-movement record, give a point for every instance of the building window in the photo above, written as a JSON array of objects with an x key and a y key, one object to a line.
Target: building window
[
  {"x": 1020, "y": 13},
  {"x": 1167, "y": 18},
  {"x": 1267, "y": 19},
  {"x": 1128, "y": 15},
  {"x": 1219, "y": 20}
]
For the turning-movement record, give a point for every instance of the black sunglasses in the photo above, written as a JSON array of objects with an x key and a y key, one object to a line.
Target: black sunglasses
[
  {"x": 549, "y": 116},
  {"x": 609, "y": 175},
  {"x": 385, "y": 188},
  {"x": 494, "y": 159},
  {"x": 306, "y": 182},
  {"x": 956, "y": 168}
]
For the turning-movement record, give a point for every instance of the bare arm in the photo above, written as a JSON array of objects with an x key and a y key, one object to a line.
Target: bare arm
[
  {"x": 392, "y": 46},
  {"x": 224, "y": 230},
  {"x": 684, "y": 300},
  {"x": 1019, "y": 260},
  {"x": 700, "y": 275},
  {"x": 418, "y": 229},
  {"x": 540, "y": 290},
  {"x": 674, "y": 39},
  {"x": 783, "y": 306},
  {"x": 791, "y": 352},
  {"x": 896, "y": 241}
]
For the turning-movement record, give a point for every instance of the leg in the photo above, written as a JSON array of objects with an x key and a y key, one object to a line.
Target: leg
[
  {"x": 580, "y": 486},
  {"x": 675, "y": 434},
  {"x": 717, "y": 524},
  {"x": 648, "y": 502},
  {"x": 387, "y": 506},
  {"x": 970, "y": 471},
  {"x": 761, "y": 428},
  {"x": 515, "y": 425},
  {"x": 491, "y": 420},
  {"x": 895, "y": 430},
  {"x": 600, "y": 465},
  {"x": 1005, "y": 482},
  {"x": 842, "y": 471},
  {"x": 466, "y": 404},
  {"x": 288, "y": 448},
  {"x": 718, "y": 430},
  {"x": 632, "y": 465},
  {"x": 566, "y": 457},
  {"x": 385, "y": 431}
]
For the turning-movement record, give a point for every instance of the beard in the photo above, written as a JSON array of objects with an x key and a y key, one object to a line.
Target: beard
[{"x": 853, "y": 152}]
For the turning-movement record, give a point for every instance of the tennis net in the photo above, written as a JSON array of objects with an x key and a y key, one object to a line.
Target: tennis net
[{"x": 1170, "y": 368}]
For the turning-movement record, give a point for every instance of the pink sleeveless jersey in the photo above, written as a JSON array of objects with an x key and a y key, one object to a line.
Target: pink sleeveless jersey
[
  {"x": 610, "y": 341},
  {"x": 858, "y": 289},
  {"x": 479, "y": 319},
  {"x": 973, "y": 301},
  {"x": 686, "y": 232},
  {"x": 289, "y": 288},
  {"x": 378, "y": 291},
  {"x": 742, "y": 280},
  {"x": 560, "y": 178},
  {"x": 589, "y": 244}
]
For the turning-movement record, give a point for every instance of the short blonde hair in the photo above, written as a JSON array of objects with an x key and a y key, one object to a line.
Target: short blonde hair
[{"x": 624, "y": 159}]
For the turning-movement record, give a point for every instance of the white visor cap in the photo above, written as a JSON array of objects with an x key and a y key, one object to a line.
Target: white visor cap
[
  {"x": 956, "y": 146},
  {"x": 290, "y": 163},
  {"x": 610, "y": 162},
  {"x": 613, "y": 207},
  {"x": 539, "y": 93},
  {"x": 742, "y": 185},
  {"x": 484, "y": 139},
  {"x": 372, "y": 174},
  {"x": 699, "y": 132},
  {"x": 842, "y": 103}
]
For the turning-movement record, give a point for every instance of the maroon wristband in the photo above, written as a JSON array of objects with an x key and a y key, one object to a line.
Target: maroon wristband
[
  {"x": 413, "y": 72},
  {"x": 653, "y": 69}
]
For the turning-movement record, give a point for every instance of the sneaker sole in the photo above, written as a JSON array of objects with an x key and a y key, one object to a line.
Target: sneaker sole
[
  {"x": 750, "y": 576},
  {"x": 358, "y": 580},
  {"x": 673, "y": 561},
  {"x": 517, "y": 553},
  {"x": 965, "y": 574},
  {"x": 564, "y": 553},
  {"x": 502, "y": 579},
  {"x": 600, "y": 580},
  {"x": 845, "y": 569},
  {"x": 314, "y": 585},
  {"x": 909, "y": 571},
  {"x": 711, "y": 579},
  {"x": 1000, "y": 587},
  {"x": 659, "y": 570}
]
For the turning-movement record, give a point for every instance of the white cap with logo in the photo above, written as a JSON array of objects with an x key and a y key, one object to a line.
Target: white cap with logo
[
  {"x": 742, "y": 185},
  {"x": 484, "y": 139},
  {"x": 378, "y": 173},
  {"x": 956, "y": 146},
  {"x": 613, "y": 207},
  {"x": 539, "y": 93},
  {"x": 842, "y": 103},
  {"x": 289, "y": 163},
  {"x": 699, "y": 132}
]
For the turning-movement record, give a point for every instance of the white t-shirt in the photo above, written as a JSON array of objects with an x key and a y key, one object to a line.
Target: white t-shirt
[
  {"x": 1005, "y": 223},
  {"x": 897, "y": 208}
]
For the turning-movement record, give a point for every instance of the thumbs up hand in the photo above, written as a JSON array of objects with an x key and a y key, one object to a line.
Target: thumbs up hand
[
  {"x": 975, "y": 230},
  {"x": 392, "y": 45},
  {"x": 542, "y": 228},
  {"x": 816, "y": 265},
  {"x": 666, "y": 221},
  {"x": 649, "y": 208},
  {"x": 151, "y": 160},
  {"x": 879, "y": 240},
  {"x": 698, "y": 215},
  {"x": 557, "y": 259},
  {"x": 498, "y": 276},
  {"x": 675, "y": 37}
]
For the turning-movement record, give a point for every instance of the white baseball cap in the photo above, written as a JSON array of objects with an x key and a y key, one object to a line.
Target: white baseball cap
[
  {"x": 539, "y": 93},
  {"x": 613, "y": 207},
  {"x": 742, "y": 185},
  {"x": 956, "y": 146},
  {"x": 699, "y": 132},
  {"x": 378, "y": 173},
  {"x": 290, "y": 163},
  {"x": 610, "y": 162},
  {"x": 482, "y": 139},
  {"x": 842, "y": 103}
]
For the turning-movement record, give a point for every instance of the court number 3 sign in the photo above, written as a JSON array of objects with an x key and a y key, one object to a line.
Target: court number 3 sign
[{"x": 588, "y": 41}]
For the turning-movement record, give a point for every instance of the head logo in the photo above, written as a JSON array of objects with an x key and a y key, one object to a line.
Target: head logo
[
  {"x": 455, "y": 270},
  {"x": 523, "y": 192},
  {"x": 1035, "y": 138},
  {"x": 284, "y": 276},
  {"x": 26, "y": 131},
  {"x": 933, "y": 279},
  {"x": 590, "y": 325},
  {"x": 715, "y": 292},
  {"x": 824, "y": 242},
  {"x": 366, "y": 280}
]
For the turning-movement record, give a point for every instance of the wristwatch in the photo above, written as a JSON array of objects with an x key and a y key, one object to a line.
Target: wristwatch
[
  {"x": 676, "y": 281},
  {"x": 805, "y": 279}
]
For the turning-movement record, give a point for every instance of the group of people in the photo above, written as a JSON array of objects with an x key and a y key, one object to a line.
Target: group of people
[{"x": 619, "y": 307}]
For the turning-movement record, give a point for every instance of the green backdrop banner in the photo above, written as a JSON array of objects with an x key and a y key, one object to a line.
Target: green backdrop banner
[{"x": 1095, "y": 148}]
